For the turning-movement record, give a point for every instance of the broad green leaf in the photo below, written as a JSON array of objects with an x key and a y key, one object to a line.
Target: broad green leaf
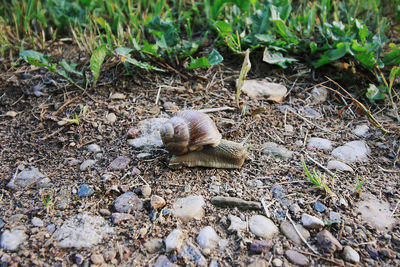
[
  {"x": 313, "y": 47},
  {"x": 214, "y": 57},
  {"x": 277, "y": 58},
  {"x": 223, "y": 26},
  {"x": 159, "y": 25},
  {"x": 367, "y": 59},
  {"x": 334, "y": 54},
  {"x": 123, "y": 51},
  {"x": 373, "y": 93},
  {"x": 393, "y": 57},
  {"x": 142, "y": 65},
  {"x": 362, "y": 31},
  {"x": 34, "y": 55},
  {"x": 96, "y": 60},
  {"x": 201, "y": 62},
  {"x": 71, "y": 68}
]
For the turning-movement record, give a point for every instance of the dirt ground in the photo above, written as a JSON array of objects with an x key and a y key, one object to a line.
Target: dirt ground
[{"x": 35, "y": 137}]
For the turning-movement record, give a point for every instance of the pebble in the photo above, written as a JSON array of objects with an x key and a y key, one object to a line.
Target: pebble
[
  {"x": 338, "y": 165},
  {"x": 288, "y": 230},
  {"x": 16, "y": 218},
  {"x": 277, "y": 262},
  {"x": 208, "y": 238},
  {"x": 117, "y": 96},
  {"x": 143, "y": 155},
  {"x": 11, "y": 114},
  {"x": 145, "y": 190},
  {"x": 127, "y": 202},
  {"x": 132, "y": 132},
  {"x": 319, "y": 143},
  {"x": 79, "y": 259},
  {"x": 97, "y": 258},
  {"x": 120, "y": 163},
  {"x": 350, "y": 255},
  {"x": 170, "y": 106},
  {"x": 257, "y": 262},
  {"x": 361, "y": 130},
  {"x": 319, "y": 95},
  {"x": 25, "y": 178},
  {"x": 157, "y": 202},
  {"x": 44, "y": 183},
  {"x": 294, "y": 208},
  {"x": 154, "y": 245},
  {"x": 87, "y": 164},
  {"x": 278, "y": 192},
  {"x": 318, "y": 206},
  {"x": 387, "y": 253},
  {"x": 111, "y": 117},
  {"x": 119, "y": 217},
  {"x": 260, "y": 246},
  {"x": 10, "y": 240},
  {"x": 334, "y": 216},
  {"x": 174, "y": 240},
  {"x": 296, "y": 258},
  {"x": 255, "y": 183},
  {"x": 275, "y": 150},
  {"x": 105, "y": 212},
  {"x": 63, "y": 199},
  {"x": 192, "y": 254},
  {"x": 259, "y": 89},
  {"x": 311, "y": 222},
  {"x": 353, "y": 151},
  {"x": 150, "y": 134},
  {"x": 37, "y": 222},
  {"x": 1, "y": 223},
  {"x": 372, "y": 252},
  {"x": 5, "y": 258},
  {"x": 163, "y": 261},
  {"x": 328, "y": 242},
  {"x": 237, "y": 224},
  {"x": 189, "y": 208},
  {"x": 311, "y": 113},
  {"x": 376, "y": 212},
  {"x": 231, "y": 202},
  {"x": 263, "y": 227},
  {"x": 82, "y": 230},
  {"x": 85, "y": 190},
  {"x": 93, "y": 148},
  {"x": 51, "y": 228}
]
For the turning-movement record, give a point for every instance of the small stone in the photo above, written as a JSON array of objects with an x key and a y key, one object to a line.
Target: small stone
[
  {"x": 338, "y": 165},
  {"x": 297, "y": 258},
  {"x": 145, "y": 190},
  {"x": 73, "y": 162},
  {"x": 105, "y": 212},
  {"x": 258, "y": 263},
  {"x": 361, "y": 130},
  {"x": 328, "y": 242},
  {"x": 277, "y": 262},
  {"x": 353, "y": 151},
  {"x": 37, "y": 222},
  {"x": 143, "y": 155},
  {"x": 132, "y": 132},
  {"x": 275, "y": 150},
  {"x": 51, "y": 228},
  {"x": 311, "y": 222},
  {"x": 170, "y": 106},
  {"x": 208, "y": 238},
  {"x": 79, "y": 259},
  {"x": 154, "y": 245},
  {"x": 278, "y": 192},
  {"x": 157, "y": 202},
  {"x": 150, "y": 134},
  {"x": 11, "y": 114},
  {"x": 319, "y": 95},
  {"x": 319, "y": 143},
  {"x": 213, "y": 263},
  {"x": 127, "y": 202},
  {"x": 192, "y": 254},
  {"x": 189, "y": 208},
  {"x": 10, "y": 240},
  {"x": 376, "y": 212},
  {"x": 163, "y": 261},
  {"x": 1, "y": 223},
  {"x": 318, "y": 206},
  {"x": 85, "y": 190},
  {"x": 311, "y": 113},
  {"x": 350, "y": 255},
  {"x": 119, "y": 163},
  {"x": 174, "y": 241},
  {"x": 27, "y": 177},
  {"x": 260, "y": 246},
  {"x": 111, "y": 117},
  {"x": 16, "y": 218},
  {"x": 387, "y": 253},
  {"x": 294, "y": 208},
  {"x": 93, "y": 148},
  {"x": 288, "y": 230},
  {"x": 97, "y": 258},
  {"x": 237, "y": 224},
  {"x": 110, "y": 255},
  {"x": 118, "y": 217},
  {"x": 117, "y": 96},
  {"x": 255, "y": 183},
  {"x": 334, "y": 216},
  {"x": 372, "y": 252},
  {"x": 87, "y": 164},
  {"x": 5, "y": 258},
  {"x": 63, "y": 198},
  {"x": 259, "y": 89},
  {"x": 168, "y": 191},
  {"x": 231, "y": 202},
  {"x": 263, "y": 227}
]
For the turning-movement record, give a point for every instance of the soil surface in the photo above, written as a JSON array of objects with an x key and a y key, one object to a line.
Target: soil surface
[{"x": 42, "y": 134}]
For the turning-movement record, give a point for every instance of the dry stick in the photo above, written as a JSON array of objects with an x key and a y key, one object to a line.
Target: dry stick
[
  {"x": 386, "y": 170},
  {"x": 64, "y": 105},
  {"x": 300, "y": 235},
  {"x": 207, "y": 110},
  {"x": 265, "y": 207},
  {"x": 320, "y": 165},
  {"x": 158, "y": 95},
  {"x": 323, "y": 258},
  {"x": 322, "y": 129},
  {"x": 395, "y": 208},
  {"x": 52, "y": 134}
]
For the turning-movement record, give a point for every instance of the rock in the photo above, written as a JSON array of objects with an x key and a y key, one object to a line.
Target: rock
[
  {"x": 79, "y": 259},
  {"x": 97, "y": 258},
  {"x": 143, "y": 155},
  {"x": 262, "y": 89},
  {"x": 376, "y": 212},
  {"x": 174, "y": 241},
  {"x": 311, "y": 113},
  {"x": 82, "y": 230},
  {"x": 189, "y": 208},
  {"x": 319, "y": 143},
  {"x": 145, "y": 190},
  {"x": 150, "y": 134},
  {"x": 350, "y": 255},
  {"x": 278, "y": 192},
  {"x": 37, "y": 222},
  {"x": 237, "y": 224},
  {"x": 297, "y": 258},
  {"x": 328, "y": 242},
  {"x": 128, "y": 202},
  {"x": 294, "y": 208},
  {"x": 263, "y": 227},
  {"x": 118, "y": 217},
  {"x": 111, "y": 117},
  {"x": 319, "y": 95},
  {"x": 87, "y": 164},
  {"x": 353, "y": 151},
  {"x": 63, "y": 199},
  {"x": 154, "y": 245},
  {"x": 372, "y": 252},
  {"x": 255, "y": 183},
  {"x": 334, "y": 216},
  {"x": 1, "y": 223},
  {"x": 275, "y": 150},
  {"x": 213, "y": 263},
  {"x": 44, "y": 183},
  {"x": 16, "y": 218},
  {"x": 11, "y": 114},
  {"x": 85, "y": 190},
  {"x": 117, "y": 96},
  {"x": 311, "y": 222},
  {"x": 387, "y": 253},
  {"x": 51, "y": 228},
  {"x": 10, "y": 240},
  {"x": 192, "y": 254},
  {"x": 318, "y": 206},
  {"x": 5, "y": 258},
  {"x": 119, "y": 163},
  {"x": 157, "y": 202},
  {"x": 93, "y": 148},
  {"x": 208, "y": 238},
  {"x": 361, "y": 130},
  {"x": 258, "y": 263},
  {"x": 338, "y": 165},
  {"x": 288, "y": 230},
  {"x": 260, "y": 246},
  {"x": 277, "y": 262},
  {"x": 231, "y": 202},
  {"x": 163, "y": 261},
  {"x": 26, "y": 178}
]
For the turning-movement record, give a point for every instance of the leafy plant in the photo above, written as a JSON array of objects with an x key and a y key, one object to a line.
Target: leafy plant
[
  {"x": 96, "y": 60},
  {"x": 317, "y": 178},
  {"x": 213, "y": 58}
]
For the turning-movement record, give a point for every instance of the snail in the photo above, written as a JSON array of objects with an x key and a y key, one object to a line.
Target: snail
[{"x": 194, "y": 140}]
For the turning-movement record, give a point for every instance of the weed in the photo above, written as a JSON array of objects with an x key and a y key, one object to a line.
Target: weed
[
  {"x": 47, "y": 200},
  {"x": 317, "y": 178}
]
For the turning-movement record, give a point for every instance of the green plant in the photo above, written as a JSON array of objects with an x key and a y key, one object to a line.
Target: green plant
[
  {"x": 47, "y": 199},
  {"x": 359, "y": 184},
  {"x": 317, "y": 178}
]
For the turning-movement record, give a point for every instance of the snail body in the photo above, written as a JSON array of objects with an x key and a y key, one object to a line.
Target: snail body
[{"x": 194, "y": 140}]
